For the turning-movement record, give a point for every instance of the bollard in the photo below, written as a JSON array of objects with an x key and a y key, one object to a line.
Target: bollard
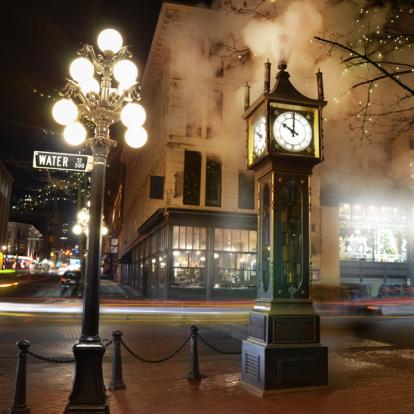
[
  {"x": 19, "y": 398},
  {"x": 116, "y": 383},
  {"x": 194, "y": 373}
]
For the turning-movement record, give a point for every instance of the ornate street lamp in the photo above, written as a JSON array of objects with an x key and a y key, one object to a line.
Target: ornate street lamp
[{"x": 99, "y": 103}]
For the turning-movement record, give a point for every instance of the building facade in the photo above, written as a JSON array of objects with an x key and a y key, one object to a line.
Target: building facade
[
  {"x": 23, "y": 240},
  {"x": 186, "y": 215},
  {"x": 6, "y": 182}
]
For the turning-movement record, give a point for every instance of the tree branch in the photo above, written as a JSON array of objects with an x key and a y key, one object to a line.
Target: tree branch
[{"x": 367, "y": 59}]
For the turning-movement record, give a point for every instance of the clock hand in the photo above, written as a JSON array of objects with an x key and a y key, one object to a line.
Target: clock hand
[
  {"x": 294, "y": 123},
  {"x": 292, "y": 130}
]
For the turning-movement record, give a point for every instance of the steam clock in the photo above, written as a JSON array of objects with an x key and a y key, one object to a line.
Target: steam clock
[{"x": 284, "y": 144}]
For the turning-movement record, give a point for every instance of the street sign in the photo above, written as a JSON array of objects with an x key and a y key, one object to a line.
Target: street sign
[{"x": 65, "y": 162}]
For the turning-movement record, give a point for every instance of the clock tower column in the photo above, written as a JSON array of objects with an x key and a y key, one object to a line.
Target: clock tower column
[{"x": 283, "y": 349}]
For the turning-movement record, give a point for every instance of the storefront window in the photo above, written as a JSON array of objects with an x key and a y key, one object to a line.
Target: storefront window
[
  {"x": 189, "y": 256},
  {"x": 372, "y": 233},
  {"x": 234, "y": 258}
]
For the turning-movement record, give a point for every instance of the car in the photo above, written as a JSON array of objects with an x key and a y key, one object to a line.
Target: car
[{"x": 71, "y": 278}]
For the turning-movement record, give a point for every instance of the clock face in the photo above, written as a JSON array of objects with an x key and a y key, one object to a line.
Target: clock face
[
  {"x": 260, "y": 136},
  {"x": 292, "y": 131}
]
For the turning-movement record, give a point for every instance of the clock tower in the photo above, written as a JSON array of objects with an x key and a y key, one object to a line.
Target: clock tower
[{"x": 284, "y": 144}]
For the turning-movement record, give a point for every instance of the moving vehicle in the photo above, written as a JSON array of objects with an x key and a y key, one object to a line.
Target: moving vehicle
[{"x": 71, "y": 278}]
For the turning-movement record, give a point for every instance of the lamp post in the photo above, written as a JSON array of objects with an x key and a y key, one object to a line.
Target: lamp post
[
  {"x": 99, "y": 104},
  {"x": 81, "y": 229},
  {"x": 4, "y": 248}
]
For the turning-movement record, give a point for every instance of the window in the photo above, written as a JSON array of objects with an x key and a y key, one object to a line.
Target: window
[
  {"x": 192, "y": 178},
  {"x": 194, "y": 112},
  {"x": 189, "y": 256},
  {"x": 246, "y": 190},
  {"x": 234, "y": 258},
  {"x": 156, "y": 187},
  {"x": 213, "y": 182},
  {"x": 214, "y": 113},
  {"x": 372, "y": 233}
]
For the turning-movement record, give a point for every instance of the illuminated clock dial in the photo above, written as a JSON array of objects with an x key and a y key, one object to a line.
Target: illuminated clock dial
[
  {"x": 260, "y": 136},
  {"x": 292, "y": 131}
]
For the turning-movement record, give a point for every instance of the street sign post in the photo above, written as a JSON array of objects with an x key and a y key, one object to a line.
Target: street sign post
[{"x": 64, "y": 162}]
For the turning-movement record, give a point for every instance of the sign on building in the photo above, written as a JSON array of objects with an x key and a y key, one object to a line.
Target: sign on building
[{"x": 65, "y": 162}]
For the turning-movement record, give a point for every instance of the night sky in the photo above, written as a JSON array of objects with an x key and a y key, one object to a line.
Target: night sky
[{"x": 40, "y": 39}]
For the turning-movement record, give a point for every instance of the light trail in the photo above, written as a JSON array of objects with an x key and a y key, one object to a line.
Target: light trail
[{"x": 11, "y": 307}]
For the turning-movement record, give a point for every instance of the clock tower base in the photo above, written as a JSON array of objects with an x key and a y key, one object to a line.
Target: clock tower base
[{"x": 282, "y": 350}]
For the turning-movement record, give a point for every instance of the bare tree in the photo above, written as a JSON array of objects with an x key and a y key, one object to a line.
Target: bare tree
[{"x": 379, "y": 54}]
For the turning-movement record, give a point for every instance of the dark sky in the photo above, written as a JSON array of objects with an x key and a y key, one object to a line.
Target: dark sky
[{"x": 40, "y": 39}]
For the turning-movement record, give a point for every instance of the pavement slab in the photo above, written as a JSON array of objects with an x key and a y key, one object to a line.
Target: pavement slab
[{"x": 369, "y": 374}]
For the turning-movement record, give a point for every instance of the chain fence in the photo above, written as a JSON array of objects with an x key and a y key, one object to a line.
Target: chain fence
[
  {"x": 214, "y": 348},
  {"x": 59, "y": 360},
  {"x": 117, "y": 383},
  {"x": 55, "y": 360},
  {"x": 155, "y": 361}
]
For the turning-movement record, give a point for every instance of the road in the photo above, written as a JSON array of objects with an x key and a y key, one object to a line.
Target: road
[{"x": 377, "y": 350}]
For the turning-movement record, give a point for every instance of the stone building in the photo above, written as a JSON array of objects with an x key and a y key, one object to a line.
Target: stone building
[
  {"x": 6, "y": 182},
  {"x": 185, "y": 214},
  {"x": 24, "y": 239}
]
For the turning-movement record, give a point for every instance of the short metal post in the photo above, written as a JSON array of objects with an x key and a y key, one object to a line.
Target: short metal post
[
  {"x": 194, "y": 372},
  {"x": 19, "y": 398},
  {"x": 117, "y": 382}
]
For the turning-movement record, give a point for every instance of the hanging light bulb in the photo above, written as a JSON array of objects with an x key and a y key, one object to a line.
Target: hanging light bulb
[
  {"x": 125, "y": 72},
  {"x": 81, "y": 69},
  {"x": 83, "y": 216},
  {"x": 90, "y": 85},
  {"x": 133, "y": 114},
  {"x": 110, "y": 40},
  {"x": 64, "y": 111},
  {"x": 136, "y": 137},
  {"x": 77, "y": 229},
  {"x": 104, "y": 230},
  {"x": 74, "y": 133}
]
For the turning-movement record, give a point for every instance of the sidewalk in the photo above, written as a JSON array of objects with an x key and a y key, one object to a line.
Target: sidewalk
[{"x": 368, "y": 377}]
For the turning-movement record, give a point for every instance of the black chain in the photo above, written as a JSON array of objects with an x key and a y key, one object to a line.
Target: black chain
[
  {"x": 56, "y": 360},
  {"x": 155, "y": 361},
  {"x": 217, "y": 349},
  {"x": 59, "y": 360}
]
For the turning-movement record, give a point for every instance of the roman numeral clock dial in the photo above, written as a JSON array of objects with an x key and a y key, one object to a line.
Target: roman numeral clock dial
[
  {"x": 292, "y": 131},
  {"x": 260, "y": 137}
]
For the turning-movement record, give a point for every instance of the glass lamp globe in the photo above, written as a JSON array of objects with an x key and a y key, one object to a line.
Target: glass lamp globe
[
  {"x": 104, "y": 230},
  {"x": 77, "y": 229},
  {"x": 125, "y": 72},
  {"x": 109, "y": 40},
  {"x": 133, "y": 114},
  {"x": 64, "y": 111},
  {"x": 136, "y": 137},
  {"x": 83, "y": 216},
  {"x": 81, "y": 69},
  {"x": 74, "y": 133},
  {"x": 89, "y": 85}
]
